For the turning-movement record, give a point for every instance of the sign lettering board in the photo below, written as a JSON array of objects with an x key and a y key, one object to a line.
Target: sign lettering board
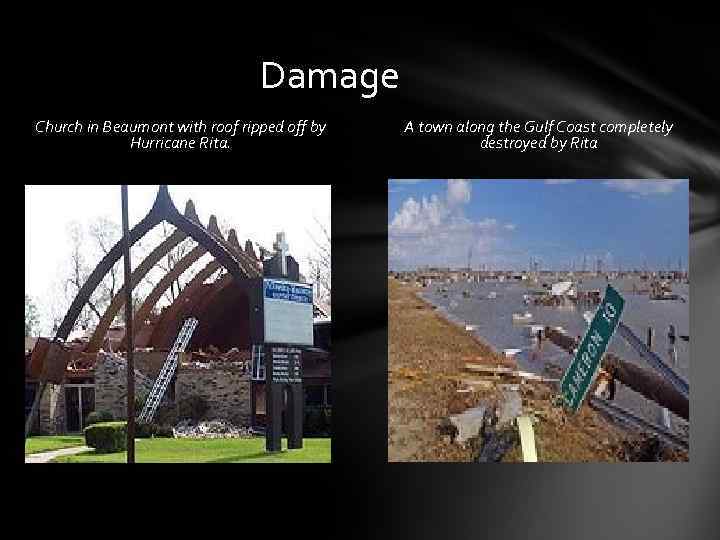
[
  {"x": 584, "y": 367},
  {"x": 288, "y": 312},
  {"x": 286, "y": 365}
]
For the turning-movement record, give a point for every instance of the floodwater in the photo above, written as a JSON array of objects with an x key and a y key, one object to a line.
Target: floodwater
[{"x": 469, "y": 304}]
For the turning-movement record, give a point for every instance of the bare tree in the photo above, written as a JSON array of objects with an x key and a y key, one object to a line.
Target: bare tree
[
  {"x": 320, "y": 264},
  {"x": 173, "y": 257},
  {"x": 87, "y": 246},
  {"x": 105, "y": 234},
  {"x": 77, "y": 275},
  {"x": 31, "y": 317}
]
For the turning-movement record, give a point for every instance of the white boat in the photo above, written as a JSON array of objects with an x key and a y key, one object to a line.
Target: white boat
[
  {"x": 588, "y": 316},
  {"x": 470, "y": 327},
  {"x": 519, "y": 317},
  {"x": 563, "y": 288},
  {"x": 492, "y": 295},
  {"x": 535, "y": 328},
  {"x": 509, "y": 353}
]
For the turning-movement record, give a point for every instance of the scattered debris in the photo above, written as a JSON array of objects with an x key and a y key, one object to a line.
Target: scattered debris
[
  {"x": 508, "y": 372},
  {"x": 469, "y": 423},
  {"x": 648, "y": 448},
  {"x": 495, "y": 441},
  {"x": 510, "y": 407},
  {"x": 527, "y": 439},
  {"x": 210, "y": 429},
  {"x": 522, "y": 317},
  {"x": 437, "y": 370}
]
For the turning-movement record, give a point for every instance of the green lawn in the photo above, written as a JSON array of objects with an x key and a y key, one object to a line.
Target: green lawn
[
  {"x": 33, "y": 445},
  {"x": 210, "y": 451}
]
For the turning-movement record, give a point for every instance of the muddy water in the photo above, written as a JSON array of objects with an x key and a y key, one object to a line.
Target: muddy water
[{"x": 469, "y": 304}]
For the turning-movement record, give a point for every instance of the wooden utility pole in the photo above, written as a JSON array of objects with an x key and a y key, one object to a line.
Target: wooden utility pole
[
  {"x": 128, "y": 330},
  {"x": 643, "y": 381}
]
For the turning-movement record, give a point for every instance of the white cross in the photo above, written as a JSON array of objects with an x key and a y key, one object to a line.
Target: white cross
[{"x": 281, "y": 248}]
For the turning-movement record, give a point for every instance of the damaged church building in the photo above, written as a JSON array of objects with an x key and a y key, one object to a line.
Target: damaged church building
[{"x": 220, "y": 365}]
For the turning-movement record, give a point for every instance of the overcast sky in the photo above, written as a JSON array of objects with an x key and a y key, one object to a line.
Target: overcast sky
[
  {"x": 503, "y": 223},
  {"x": 256, "y": 213}
]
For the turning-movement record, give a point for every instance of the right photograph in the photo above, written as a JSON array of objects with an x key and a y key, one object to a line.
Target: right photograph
[{"x": 538, "y": 320}]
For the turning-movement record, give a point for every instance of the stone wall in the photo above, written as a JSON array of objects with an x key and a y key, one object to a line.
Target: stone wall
[
  {"x": 150, "y": 363},
  {"x": 111, "y": 385},
  {"x": 51, "y": 411},
  {"x": 226, "y": 388}
]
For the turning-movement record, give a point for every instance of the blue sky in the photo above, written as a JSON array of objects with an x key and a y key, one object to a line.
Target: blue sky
[{"x": 505, "y": 222}]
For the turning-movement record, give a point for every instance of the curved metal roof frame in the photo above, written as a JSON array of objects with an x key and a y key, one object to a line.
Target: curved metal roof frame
[
  {"x": 163, "y": 209},
  {"x": 118, "y": 301},
  {"x": 164, "y": 284},
  {"x": 169, "y": 322}
]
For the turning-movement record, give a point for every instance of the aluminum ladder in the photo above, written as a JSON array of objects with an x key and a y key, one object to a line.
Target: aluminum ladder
[{"x": 168, "y": 370}]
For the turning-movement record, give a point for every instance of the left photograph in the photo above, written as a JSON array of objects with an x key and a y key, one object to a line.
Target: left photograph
[{"x": 175, "y": 324}]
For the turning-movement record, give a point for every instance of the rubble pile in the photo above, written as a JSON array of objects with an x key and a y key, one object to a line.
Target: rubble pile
[
  {"x": 210, "y": 429},
  {"x": 212, "y": 357}
]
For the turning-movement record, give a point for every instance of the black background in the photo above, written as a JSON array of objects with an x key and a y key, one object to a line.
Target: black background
[{"x": 481, "y": 67}]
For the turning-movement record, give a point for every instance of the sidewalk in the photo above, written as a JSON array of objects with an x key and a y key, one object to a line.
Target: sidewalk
[{"x": 45, "y": 457}]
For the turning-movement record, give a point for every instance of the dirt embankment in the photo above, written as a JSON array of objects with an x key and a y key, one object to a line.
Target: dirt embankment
[{"x": 426, "y": 357}]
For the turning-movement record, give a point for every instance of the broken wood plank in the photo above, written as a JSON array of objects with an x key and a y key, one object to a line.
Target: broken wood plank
[
  {"x": 508, "y": 372},
  {"x": 482, "y": 383},
  {"x": 527, "y": 439},
  {"x": 488, "y": 369}
]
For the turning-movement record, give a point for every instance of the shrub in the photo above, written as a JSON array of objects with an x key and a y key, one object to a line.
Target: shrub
[
  {"x": 140, "y": 402},
  {"x": 96, "y": 417},
  {"x": 146, "y": 431},
  {"x": 143, "y": 431},
  {"x": 163, "y": 431},
  {"x": 193, "y": 407},
  {"x": 107, "y": 437}
]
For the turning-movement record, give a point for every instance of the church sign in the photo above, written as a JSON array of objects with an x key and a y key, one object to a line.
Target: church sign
[
  {"x": 288, "y": 312},
  {"x": 281, "y": 324},
  {"x": 287, "y": 325},
  {"x": 286, "y": 367}
]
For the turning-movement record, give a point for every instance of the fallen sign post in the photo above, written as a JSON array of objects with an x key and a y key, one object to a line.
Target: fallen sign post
[
  {"x": 643, "y": 381},
  {"x": 655, "y": 361},
  {"x": 585, "y": 365}
]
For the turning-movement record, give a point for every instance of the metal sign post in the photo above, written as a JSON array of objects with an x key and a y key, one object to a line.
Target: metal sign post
[
  {"x": 584, "y": 367},
  {"x": 283, "y": 373},
  {"x": 128, "y": 330}
]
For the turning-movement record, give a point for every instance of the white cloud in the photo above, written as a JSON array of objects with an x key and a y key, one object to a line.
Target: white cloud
[
  {"x": 417, "y": 217},
  {"x": 458, "y": 192},
  {"x": 553, "y": 182},
  {"x": 435, "y": 230},
  {"x": 645, "y": 187}
]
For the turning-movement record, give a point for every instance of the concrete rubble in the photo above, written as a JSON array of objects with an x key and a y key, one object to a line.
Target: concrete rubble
[
  {"x": 468, "y": 423},
  {"x": 213, "y": 358},
  {"x": 510, "y": 407},
  {"x": 210, "y": 429}
]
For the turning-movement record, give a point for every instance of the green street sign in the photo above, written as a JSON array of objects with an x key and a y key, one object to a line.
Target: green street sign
[{"x": 584, "y": 367}]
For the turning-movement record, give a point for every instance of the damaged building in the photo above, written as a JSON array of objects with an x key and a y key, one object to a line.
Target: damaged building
[{"x": 220, "y": 365}]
